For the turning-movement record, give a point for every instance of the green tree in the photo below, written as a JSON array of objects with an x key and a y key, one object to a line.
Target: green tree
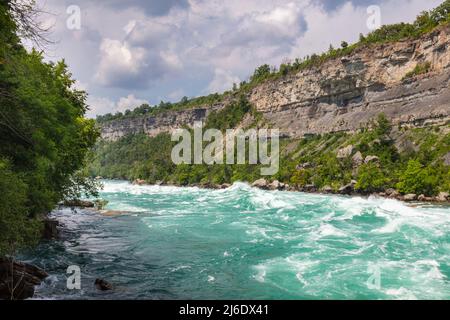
[{"x": 418, "y": 179}]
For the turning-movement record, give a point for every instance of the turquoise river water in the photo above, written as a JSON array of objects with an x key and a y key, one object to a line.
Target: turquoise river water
[{"x": 244, "y": 243}]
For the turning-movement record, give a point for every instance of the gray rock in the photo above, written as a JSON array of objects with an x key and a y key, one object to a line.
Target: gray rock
[
  {"x": 345, "y": 152},
  {"x": 21, "y": 276},
  {"x": 370, "y": 159},
  {"x": 327, "y": 189},
  {"x": 139, "y": 182},
  {"x": 103, "y": 285},
  {"x": 309, "y": 188},
  {"x": 302, "y": 166},
  {"x": 410, "y": 197},
  {"x": 347, "y": 189},
  {"x": 390, "y": 191},
  {"x": 442, "y": 197},
  {"x": 261, "y": 183},
  {"x": 358, "y": 159},
  {"x": 447, "y": 159}
]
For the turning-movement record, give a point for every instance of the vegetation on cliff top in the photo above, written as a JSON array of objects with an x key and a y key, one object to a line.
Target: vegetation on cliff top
[
  {"x": 44, "y": 136},
  {"x": 426, "y": 22}
]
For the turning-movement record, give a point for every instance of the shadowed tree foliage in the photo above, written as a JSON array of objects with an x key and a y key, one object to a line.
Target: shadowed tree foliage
[{"x": 44, "y": 136}]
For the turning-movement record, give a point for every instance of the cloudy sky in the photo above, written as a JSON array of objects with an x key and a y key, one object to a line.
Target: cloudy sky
[{"x": 127, "y": 52}]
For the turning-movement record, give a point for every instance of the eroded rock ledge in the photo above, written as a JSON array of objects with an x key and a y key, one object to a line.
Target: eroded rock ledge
[{"x": 343, "y": 94}]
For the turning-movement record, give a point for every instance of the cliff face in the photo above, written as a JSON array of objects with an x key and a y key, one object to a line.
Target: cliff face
[
  {"x": 153, "y": 125},
  {"x": 342, "y": 94}
]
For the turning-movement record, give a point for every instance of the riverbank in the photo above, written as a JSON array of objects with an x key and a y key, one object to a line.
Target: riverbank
[{"x": 349, "y": 190}]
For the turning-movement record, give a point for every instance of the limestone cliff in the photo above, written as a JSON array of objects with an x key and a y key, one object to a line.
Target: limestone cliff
[{"x": 343, "y": 94}]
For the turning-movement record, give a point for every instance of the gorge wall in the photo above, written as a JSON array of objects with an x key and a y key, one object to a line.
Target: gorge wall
[{"x": 343, "y": 94}]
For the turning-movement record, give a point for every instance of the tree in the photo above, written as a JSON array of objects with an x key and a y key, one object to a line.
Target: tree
[
  {"x": 418, "y": 179},
  {"x": 260, "y": 73},
  {"x": 44, "y": 136}
]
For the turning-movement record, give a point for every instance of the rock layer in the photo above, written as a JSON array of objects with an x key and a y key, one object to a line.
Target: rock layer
[{"x": 343, "y": 94}]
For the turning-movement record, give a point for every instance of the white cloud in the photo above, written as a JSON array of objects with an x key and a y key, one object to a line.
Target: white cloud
[
  {"x": 102, "y": 105},
  {"x": 223, "y": 80},
  {"x": 130, "y": 102},
  {"x": 119, "y": 62},
  {"x": 174, "y": 46}
]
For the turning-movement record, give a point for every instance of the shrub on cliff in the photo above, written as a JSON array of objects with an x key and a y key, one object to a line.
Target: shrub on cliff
[
  {"x": 418, "y": 179},
  {"x": 371, "y": 179}
]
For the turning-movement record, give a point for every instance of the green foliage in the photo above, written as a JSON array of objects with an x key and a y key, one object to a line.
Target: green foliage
[
  {"x": 371, "y": 179},
  {"x": 419, "y": 69},
  {"x": 44, "y": 136},
  {"x": 418, "y": 179},
  {"x": 230, "y": 116},
  {"x": 17, "y": 230}
]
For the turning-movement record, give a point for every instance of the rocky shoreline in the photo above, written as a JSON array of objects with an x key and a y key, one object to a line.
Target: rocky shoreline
[
  {"x": 18, "y": 279},
  {"x": 349, "y": 190}
]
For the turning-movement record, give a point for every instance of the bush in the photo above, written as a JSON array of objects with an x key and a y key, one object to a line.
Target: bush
[
  {"x": 17, "y": 230},
  {"x": 420, "y": 68},
  {"x": 370, "y": 179},
  {"x": 418, "y": 179}
]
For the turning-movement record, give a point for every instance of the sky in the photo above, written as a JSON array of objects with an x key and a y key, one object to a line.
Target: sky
[{"x": 128, "y": 52}]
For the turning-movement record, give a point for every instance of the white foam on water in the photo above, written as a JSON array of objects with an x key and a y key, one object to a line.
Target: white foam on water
[{"x": 401, "y": 294}]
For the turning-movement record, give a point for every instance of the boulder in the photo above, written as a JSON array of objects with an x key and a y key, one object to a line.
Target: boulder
[
  {"x": 442, "y": 197},
  {"x": 103, "y": 285},
  {"x": 261, "y": 183},
  {"x": 345, "y": 152},
  {"x": 309, "y": 188},
  {"x": 370, "y": 159},
  {"x": 277, "y": 185},
  {"x": 390, "y": 191},
  {"x": 327, "y": 189},
  {"x": 225, "y": 186},
  {"x": 358, "y": 159},
  {"x": 447, "y": 159},
  {"x": 139, "y": 182},
  {"x": 394, "y": 195},
  {"x": 50, "y": 229},
  {"x": 78, "y": 203},
  {"x": 303, "y": 166},
  {"x": 21, "y": 276},
  {"x": 410, "y": 197},
  {"x": 347, "y": 189},
  {"x": 424, "y": 198}
]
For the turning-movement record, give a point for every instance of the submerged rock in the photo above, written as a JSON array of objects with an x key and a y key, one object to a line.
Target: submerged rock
[
  {"x": 18, "y": 279},
  {"x": 103, "y": 285},
  {"x": 50, "y": 229}
]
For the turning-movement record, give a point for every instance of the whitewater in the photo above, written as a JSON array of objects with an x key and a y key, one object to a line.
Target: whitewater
[{"x": 246, "y": 243}]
